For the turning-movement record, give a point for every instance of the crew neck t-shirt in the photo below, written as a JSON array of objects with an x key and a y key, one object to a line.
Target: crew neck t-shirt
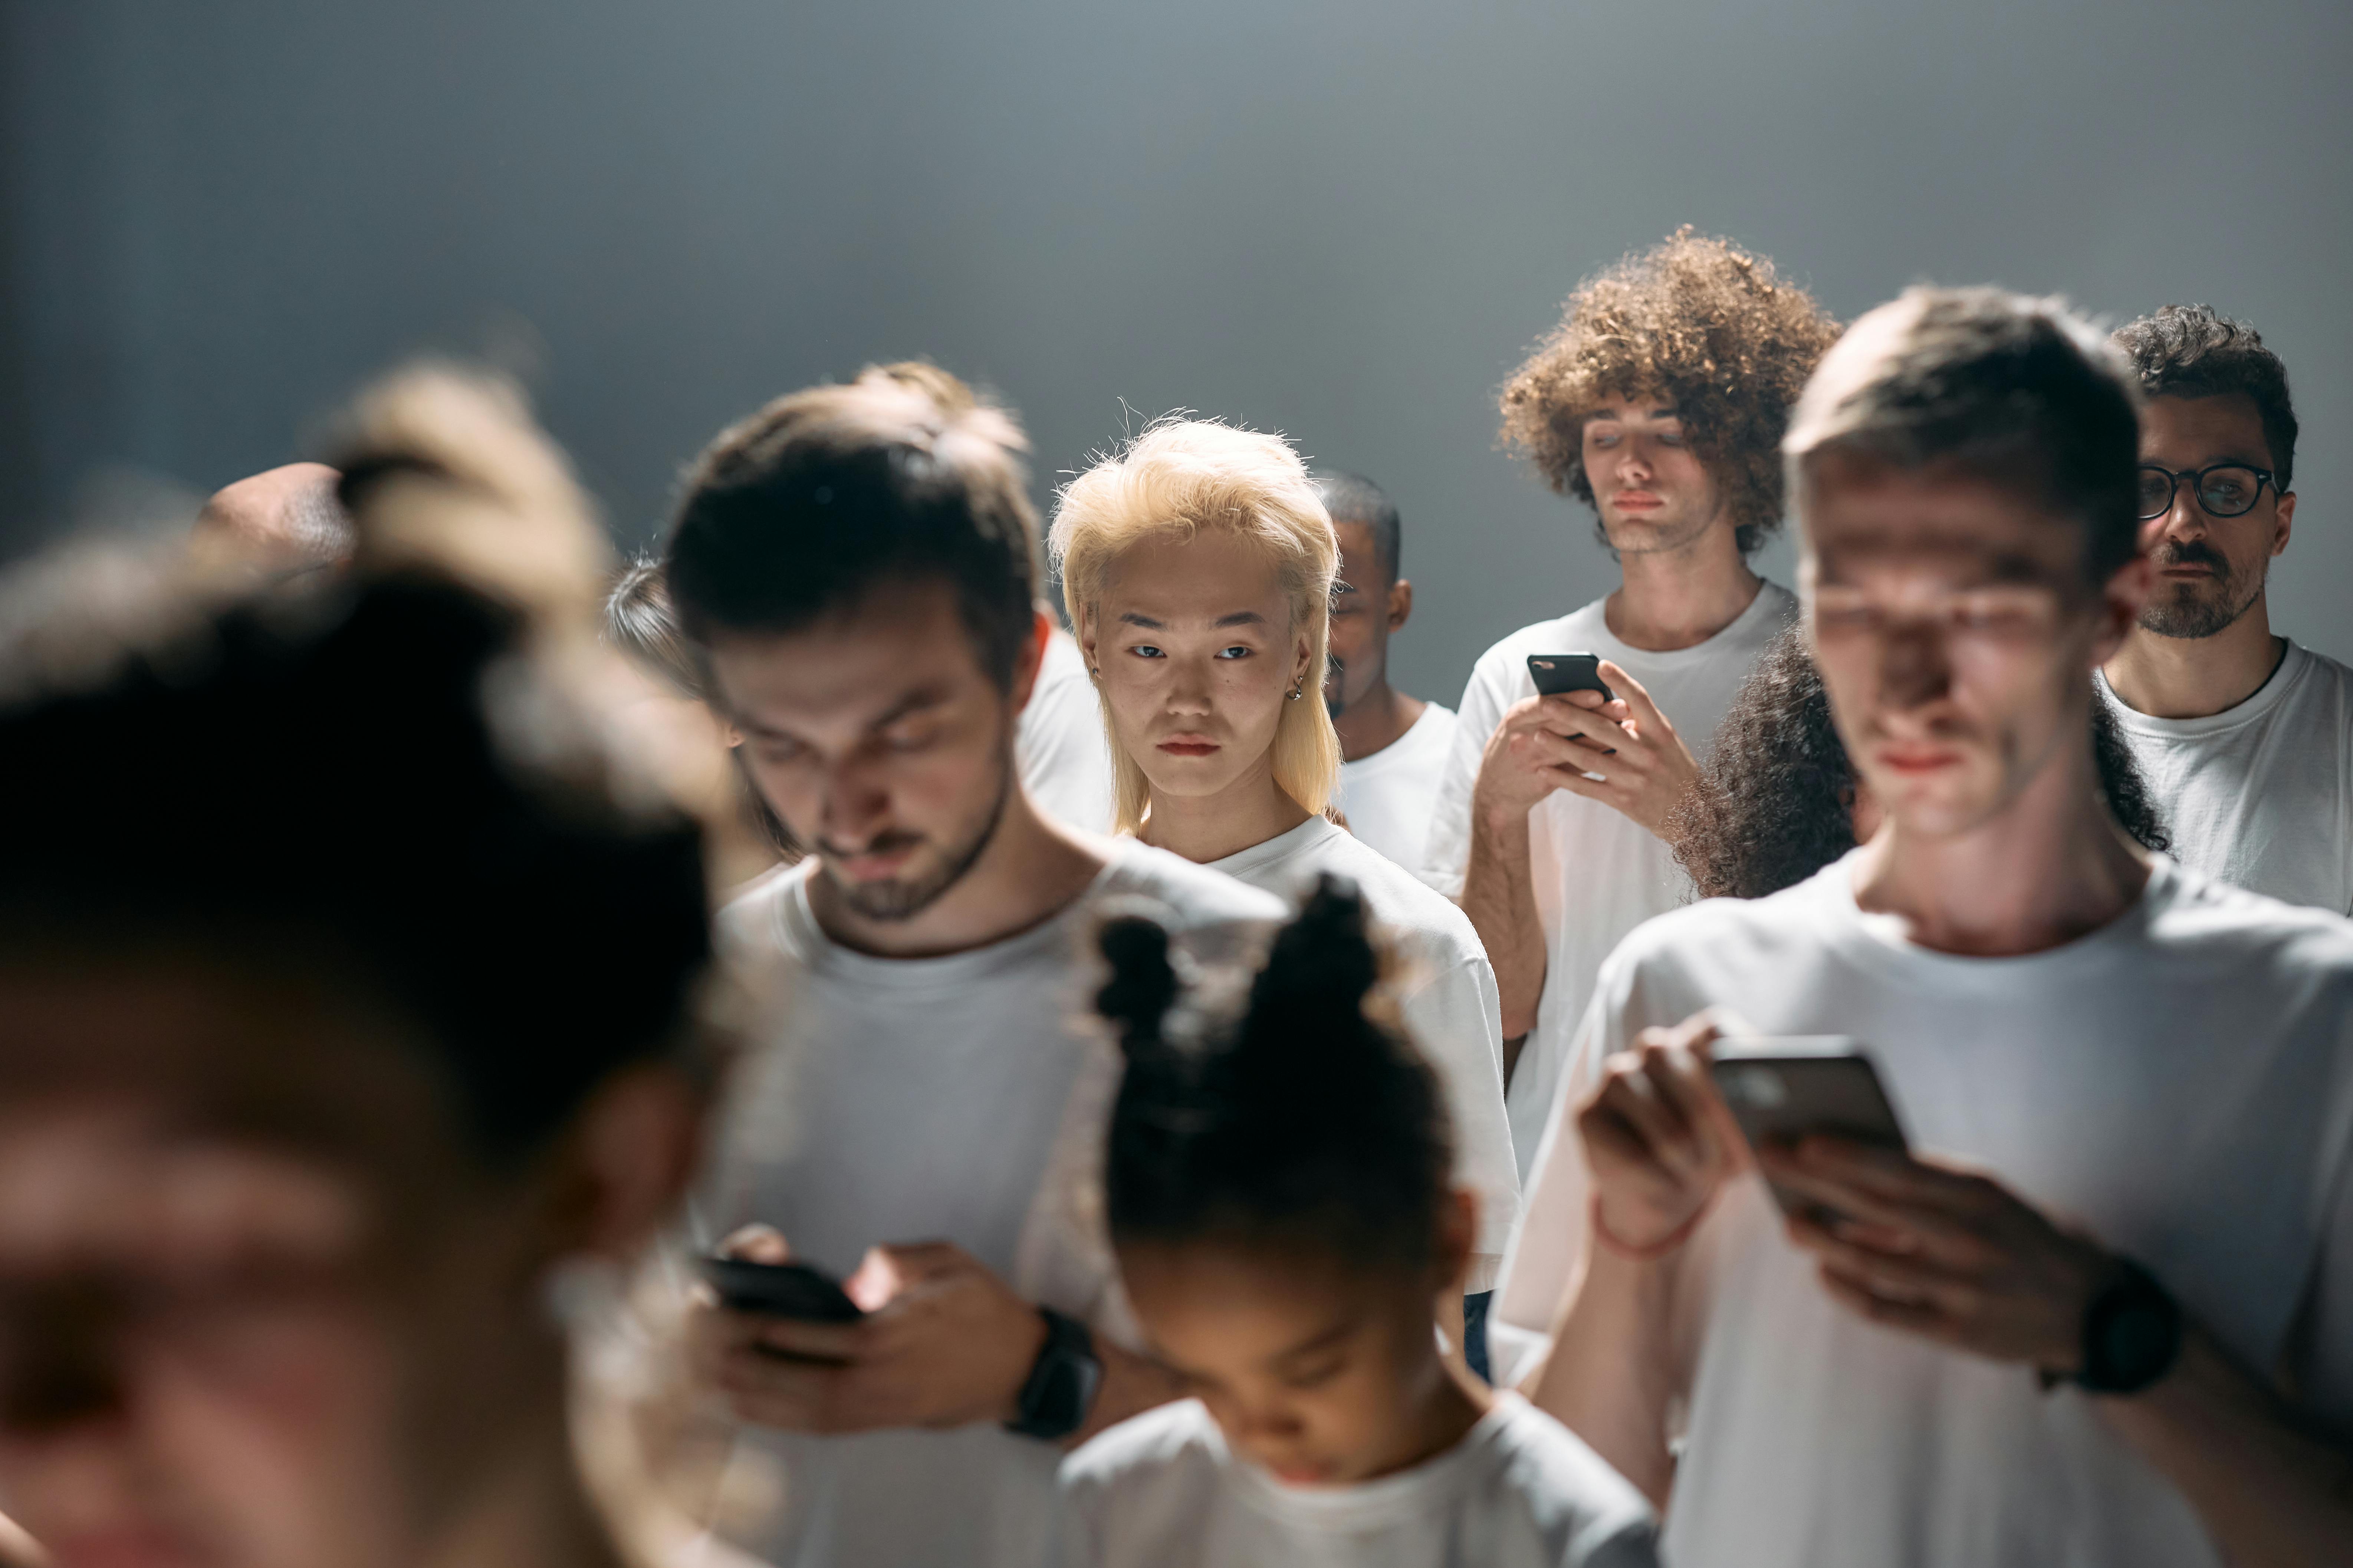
[
  {"x": 1447, "y": 998},
  {"x": 1386, "y": 797},
  {"x": 1520, "y": 1491},
  {"x": 1597, "y": 873},
  {"x": 2260, "y": 795},
  {"x": 962, "y": 1098},
  {"x": 2179, "y": 1082},
  {"x": 1059, "y": 745}
]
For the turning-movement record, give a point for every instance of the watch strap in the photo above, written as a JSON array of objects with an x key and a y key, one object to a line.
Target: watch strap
[{"x": 1060, "y": 1388}]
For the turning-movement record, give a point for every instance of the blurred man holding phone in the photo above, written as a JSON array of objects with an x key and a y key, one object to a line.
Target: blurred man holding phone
[
  {"x": 2103, "y": 1313},
  {"x": 1549, "y": 810},
  {"x": 860, "y": 567}
]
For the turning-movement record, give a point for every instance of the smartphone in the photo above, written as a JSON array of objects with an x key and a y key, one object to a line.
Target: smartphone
[
  {"x": 1782, "y": 1088},
  {"x": 786, "y": 1289},
  {"x": 1556, "y": 673}
]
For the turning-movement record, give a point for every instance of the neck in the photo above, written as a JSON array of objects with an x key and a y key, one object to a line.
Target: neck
[
  {"x": 1031, "y": 871},
  {"x": 1451, "y": 1402},
  {"x": 2051, "y": 867},
  {"x": 1375, "y": 720},
  {"x": 2189, "y": 677},
  {"x": 530, "y": 1508},
  {"x": 1681, "y": 597},
  {"x": 1206, "y": 828}
]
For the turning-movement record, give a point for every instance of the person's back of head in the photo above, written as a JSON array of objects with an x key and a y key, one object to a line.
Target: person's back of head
[
  {"x": 1705, "y": 327},
  {"x": 833, "y": 494},
  {"x": 639, "y": 622},
  {"x": 286, "y": 520}
]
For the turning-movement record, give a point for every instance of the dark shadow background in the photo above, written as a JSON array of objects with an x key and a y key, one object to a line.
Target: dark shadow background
[{"x": 1344, "y": 221}]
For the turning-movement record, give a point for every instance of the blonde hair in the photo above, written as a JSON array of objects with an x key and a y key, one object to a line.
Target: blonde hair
[{"x": 1177, "y": 477}]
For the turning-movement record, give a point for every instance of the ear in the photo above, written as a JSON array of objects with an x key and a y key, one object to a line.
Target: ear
[
  {"x": 2286, "y": 511},
  {"x": 626, "y": 1165},
  {"x": 2121, "y": 598},
  {"x": 1400, "y": 603},
  {"x": 1042, "y": 627},
  {"x": 1088, "y": 633}
]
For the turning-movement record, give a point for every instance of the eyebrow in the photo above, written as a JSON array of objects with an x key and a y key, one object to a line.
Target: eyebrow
[
  {"x": 1323, "y": 1341},
  {"x": 914, "y": 701},
  {"x": 1239, "y": 618}
]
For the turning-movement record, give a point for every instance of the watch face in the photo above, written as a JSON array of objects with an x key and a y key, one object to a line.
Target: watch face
[{"x": 2136, "y": 1342}]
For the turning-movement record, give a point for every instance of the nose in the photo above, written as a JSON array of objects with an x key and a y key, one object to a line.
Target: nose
[
  {"x": 856, "y": 807},
  {"x": 1913, "y": 670},
  {"x": 1189, "y": 688}
]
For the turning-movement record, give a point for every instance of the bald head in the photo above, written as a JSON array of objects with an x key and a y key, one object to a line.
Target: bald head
[{"x": 285, "y": 519}]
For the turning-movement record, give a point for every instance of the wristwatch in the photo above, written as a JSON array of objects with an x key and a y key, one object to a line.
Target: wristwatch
[
  {"x": 2131, "y": 1334},
  {"x": 1062, "y": 1382}
]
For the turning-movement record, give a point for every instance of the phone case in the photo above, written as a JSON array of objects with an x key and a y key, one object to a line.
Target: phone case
[
  {"x": 787, "y": 1289},
  {"x": 1779, "y": 1090}
]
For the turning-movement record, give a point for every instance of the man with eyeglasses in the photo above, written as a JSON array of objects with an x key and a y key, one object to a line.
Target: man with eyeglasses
[{"x": 2245, "y": 737}]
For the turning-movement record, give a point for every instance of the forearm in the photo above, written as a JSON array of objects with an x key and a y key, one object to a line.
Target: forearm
[
  {"x": 2271, "y": 1492},
  {"x": 1132, "y": 1385},
  {"x": 1500, "y": 898},
  {"x": 1609, "y": 1376}
]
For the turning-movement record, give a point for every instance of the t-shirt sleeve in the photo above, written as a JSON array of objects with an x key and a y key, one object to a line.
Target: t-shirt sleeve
[
  {"x": 1446, "y": 855},
  {"x": 1456, "y": 1019},
  {"x": 1635, "y": 1545},
  {"x": 1064, "y": 757}
]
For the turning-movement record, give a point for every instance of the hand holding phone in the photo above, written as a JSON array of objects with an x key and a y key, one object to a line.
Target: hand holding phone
[
  {"x": 1557, "y": 674},
  {"x": 782, "y": 1289},
  {"x": 1782, "y": 1089}
]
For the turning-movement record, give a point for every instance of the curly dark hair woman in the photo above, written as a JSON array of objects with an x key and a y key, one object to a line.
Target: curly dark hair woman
[
  {"x": 1699, "y": 323},
  {"x": 1777, "y": 802}
]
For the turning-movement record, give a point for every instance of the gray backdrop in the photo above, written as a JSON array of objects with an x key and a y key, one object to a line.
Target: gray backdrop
[{"x": 1342, "y": 221}]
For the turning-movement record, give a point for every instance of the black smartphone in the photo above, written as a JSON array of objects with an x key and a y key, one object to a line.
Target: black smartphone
[
  {"x": 786, "y": 1289},
  {"x": 1556, "y": 673},
  {"x": 1783, "y": 1088}
]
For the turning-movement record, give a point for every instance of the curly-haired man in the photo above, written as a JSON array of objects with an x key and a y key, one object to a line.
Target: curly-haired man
[
  {"x": 2247, "y": 738},
  {"x": 1659, "y": 402}
]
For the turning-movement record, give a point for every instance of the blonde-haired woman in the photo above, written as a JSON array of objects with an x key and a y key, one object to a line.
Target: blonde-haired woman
[{"x": 1196, "y": 564}]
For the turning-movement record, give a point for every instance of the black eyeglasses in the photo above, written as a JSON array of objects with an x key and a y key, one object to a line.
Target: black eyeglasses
[{"x": 2225, "y": 490}]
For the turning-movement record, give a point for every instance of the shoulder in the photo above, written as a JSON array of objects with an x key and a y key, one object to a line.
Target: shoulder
[
  {"x": 1173, "y": 1445},
  {"x": 1579, "y": 1505},
  {"x": 1396, "y": 897},
  {"x": 758, "y": 922},
  {"x": 1555, "y": 636},
  {"x": 1196, "y": 896},
  {"x": 2190, "y": 911}
]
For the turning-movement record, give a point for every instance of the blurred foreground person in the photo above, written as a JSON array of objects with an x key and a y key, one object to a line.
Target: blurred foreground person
[
  {"x": 2247, "y": 738},
  {"x": 1197, "y": 565},
  {"x": 1778, "y": 799},
  {"x": 1280, "y": 1190},
  {"x": 1392, "y": 746},
  {"x": 297, "y": 1144},
  {"x": 2102, "y": 1314},
  {"x": 860, "y": 568},
  {"x": 1658, "y": 401},
  {"x": 287, "y": 521}
]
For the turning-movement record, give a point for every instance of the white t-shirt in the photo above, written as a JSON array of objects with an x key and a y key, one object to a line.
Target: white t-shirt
[
  {"x": 961, "y": 1098},
  {"x": 2179, "y": 1082},
  {"x": 1060, "y": 746},
  {"x": 1598, "y": 873},
  {"x": 1448, "y": 1003},
  {"x": 1521, "y": 1490},
  {"x": 1386, "y": 797},
  {"x": 2260, "y": 795}
]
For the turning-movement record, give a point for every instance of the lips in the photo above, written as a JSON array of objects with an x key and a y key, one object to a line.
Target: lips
[
  {"x": 1637, "y": 500},
  {"x": 1916, "y": 761},
  {"x": 1188, "y": 746}
]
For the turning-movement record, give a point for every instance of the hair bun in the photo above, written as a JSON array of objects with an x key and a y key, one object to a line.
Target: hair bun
[
  {"x": 1324, "y": 959},
  {"x": 1142, "y": 984}
]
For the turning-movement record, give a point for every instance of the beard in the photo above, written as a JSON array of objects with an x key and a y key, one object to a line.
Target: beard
[
  {"x": 1335, "y": 685},
  {"x": 2193, "y": 610},
  {"x": 898, "y": 898}
]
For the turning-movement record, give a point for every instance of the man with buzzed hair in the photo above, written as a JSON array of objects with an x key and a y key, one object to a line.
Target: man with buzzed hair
[
  {"x": 2246, "y": 739},
  {"x": 1547, "y": 824},
  {"x": 1393, "y": 746}
]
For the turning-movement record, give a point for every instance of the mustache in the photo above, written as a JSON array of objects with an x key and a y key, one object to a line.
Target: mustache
[
  {"x": 2190, "y": 552},
  {"x": 883, "y": 844}
]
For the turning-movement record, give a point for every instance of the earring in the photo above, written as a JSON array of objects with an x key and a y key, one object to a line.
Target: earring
[
  {"x": 1094, "y": 675},
  {"x": 1297, "y": 690}
]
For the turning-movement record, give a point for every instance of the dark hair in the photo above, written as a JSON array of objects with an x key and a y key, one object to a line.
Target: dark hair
[
  {"x": 1696, "y": 323},
  {"x": 638, "y": 621},
  {"x": 1308, "y": 1120},
  {"x": 2192, "y": 351},
  {"x": 2017, "y": 392},
  {"x": 827, "y": 494},
  {"x": 1776, "y": 802},
  {"x": 1352, "y": 498},
  {"x": 376, "y": 786}
]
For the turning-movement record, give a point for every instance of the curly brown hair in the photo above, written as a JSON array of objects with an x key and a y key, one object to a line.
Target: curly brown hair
[{"x": 1699, "y": 323}]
